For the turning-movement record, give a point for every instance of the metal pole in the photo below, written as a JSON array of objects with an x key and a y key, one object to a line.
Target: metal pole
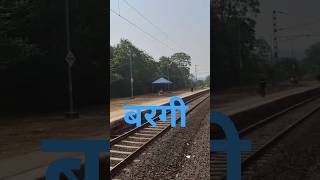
[
  {"x": 67, "y": 25},
  {"x": 275, "y": 35},
  {"x": 131, "y": 77},
  {"x": 168, "y": 74},
  {"x": 70, "y": 91},
  {"x": 69, "y": 67},
  {"x": 239, "y": 43},
  {"x": 239, "y": 38},
  {"x": 196, "y": 72},
  {"x": 168, "y": 71}
]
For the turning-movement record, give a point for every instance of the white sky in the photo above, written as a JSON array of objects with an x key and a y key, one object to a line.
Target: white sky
[
  {"x": 302, "y": 16},
  {"x": 186, "y": 22}
]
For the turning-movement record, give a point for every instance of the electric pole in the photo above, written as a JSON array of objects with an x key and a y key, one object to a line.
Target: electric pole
[
  {"x": 239, "y": 43},
  {"x": 275, "y": 35},
  {"x": 70, "y": 58},
  {"x": 239, "y": 34},
  {"x": 196, "y": 72},
  {"x": 168, "y": 66},
  {"x": 131, "y": 77}
]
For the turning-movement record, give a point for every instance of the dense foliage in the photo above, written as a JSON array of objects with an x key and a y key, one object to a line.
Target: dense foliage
[
  {"x": 33, "y": 70},
  {"x": 311, "y": 64},
  {"x": 236, "y": 58},
  {"x": 145, "y": 70}
]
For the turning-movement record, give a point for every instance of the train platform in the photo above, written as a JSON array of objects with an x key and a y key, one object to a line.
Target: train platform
[
  {"x": 116, "y": 111},
  {"x": 21, "y": 156},
  {"x": 30, "y": 166},
  {"x": 233, "y": 102}
]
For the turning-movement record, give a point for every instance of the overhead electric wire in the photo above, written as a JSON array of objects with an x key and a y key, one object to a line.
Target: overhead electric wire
[
  {"x": 294, "y": 37},
  {"x": 302, "y": 25},
  {"x": 203, "y": 72},
  {"x": 150, "y": 22},
  {"x": 145, "y": 18},
  {"x": 136, "y": 26},
  {"x": 300, "y": 35}
]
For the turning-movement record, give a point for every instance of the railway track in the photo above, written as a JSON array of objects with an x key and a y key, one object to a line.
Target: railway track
[
  {"x": 264, "y": 135},
  {"x": 127, "y": 146}
]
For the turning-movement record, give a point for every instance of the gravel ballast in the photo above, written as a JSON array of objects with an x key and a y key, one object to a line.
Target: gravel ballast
[
  {"x": 181, "y": 153},
  {"x": 296, "y": 156}
]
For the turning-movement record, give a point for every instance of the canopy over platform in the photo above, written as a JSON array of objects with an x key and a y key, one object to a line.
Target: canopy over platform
[{"x": 161, "y": 81}]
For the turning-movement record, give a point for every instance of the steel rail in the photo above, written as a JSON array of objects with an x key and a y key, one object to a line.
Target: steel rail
[
  {"x": 149, "y": 134},
  {"x": 247, "y": 159}
]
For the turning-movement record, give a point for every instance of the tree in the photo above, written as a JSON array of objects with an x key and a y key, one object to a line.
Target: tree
[
  {"x": 33, "y": 69},
  {"x": 207, "y": 81},
  {"x": 145, "y": 69},
  {"x": 182, "y": 60},
  {"x": 233, "y": 41},
  {"x": 311, "y": 64},
  {"x": 262, "y": 50},
  {"x": 181, "y": 67},
  {"x": 114, "y": 75},
  {"x": 165, "y": 66}
]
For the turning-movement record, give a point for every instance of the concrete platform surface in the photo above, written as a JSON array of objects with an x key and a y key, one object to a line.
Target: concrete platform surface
[
  {"x": 34, "y": 164},
  {"x": 116, "y": 111},
  {"x": 248, "y": 101},
  {"x": 30, "y": 166}
]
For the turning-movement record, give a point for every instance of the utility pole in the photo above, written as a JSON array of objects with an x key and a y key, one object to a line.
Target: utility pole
[
  {"x": 70, "y": 58},
  {"x": 239, "y": 43},
  {"x": 168, "y": 66},
  {"x": 168, "y": 74},
  {"x": 275, "y": 35},
  {"x": 131, "y": 77},
  {"x": 239, "y": 35},
  {"x": 195, "y": 71}
]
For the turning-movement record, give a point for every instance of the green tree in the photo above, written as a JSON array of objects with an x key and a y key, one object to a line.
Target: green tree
[
  {"x": 182, "y": 60},
  {"x": 207, "y": 81},
  {"x": 165, "y": 66},
  {"x": 33, "y": 70},
  {"x": 311, "y": 63},
  {"x": 233, "y": 41},
  {"x": 145, "y": 69},
  {"x": 181, "y": 67}
]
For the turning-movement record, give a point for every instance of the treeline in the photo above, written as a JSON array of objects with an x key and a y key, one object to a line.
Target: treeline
[
  {"x": 307, "y": 68},
  {"x": 146, "y": 70},
  {"x": 238, "y": 57},
  {"x": 33, "y": 70},
  {"x": 310, "y": 66}
]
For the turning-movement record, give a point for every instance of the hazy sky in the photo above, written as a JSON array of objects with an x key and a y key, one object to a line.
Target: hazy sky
[
  {"x": 302, "y": 15},
  {"x": 186, "y": 22}
]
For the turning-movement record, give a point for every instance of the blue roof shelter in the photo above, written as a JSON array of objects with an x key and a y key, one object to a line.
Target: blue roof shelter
[{"x": 161, "y": 81}]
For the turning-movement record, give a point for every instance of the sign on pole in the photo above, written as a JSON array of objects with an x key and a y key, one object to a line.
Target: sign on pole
[{"x": 70, "y": 58}]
